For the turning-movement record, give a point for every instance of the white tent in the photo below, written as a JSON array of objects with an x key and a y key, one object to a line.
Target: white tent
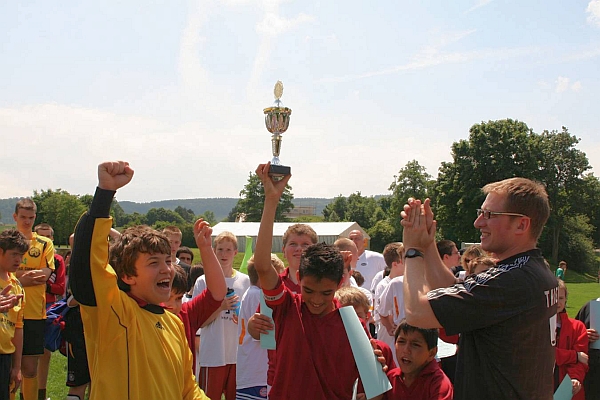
[{"x": 328, "y": 232}]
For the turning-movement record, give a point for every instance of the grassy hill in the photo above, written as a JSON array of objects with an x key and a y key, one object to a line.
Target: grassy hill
[{"x": 219, "y": 206}]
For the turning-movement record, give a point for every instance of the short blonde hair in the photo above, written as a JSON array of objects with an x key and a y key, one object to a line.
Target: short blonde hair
[
  {"x": 225, "y": 236},
  {"x": 275, "y": 263},
  {"x": 351, "y": 296}
]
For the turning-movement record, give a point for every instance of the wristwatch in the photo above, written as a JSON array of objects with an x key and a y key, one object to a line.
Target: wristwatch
[{"x": 412, "y": 253}]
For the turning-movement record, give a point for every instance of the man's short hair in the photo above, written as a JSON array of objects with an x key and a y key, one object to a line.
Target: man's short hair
[
  {"x": 12, "y": 239},
  {"x": 562, "y": 264},
  {"x": 351, "y": 296},
  {"x": 43, "y": 227},
  {"x": 186, "y": 250},
  {"x": 345, "y": 244},
  {"x": 524, "y": 196},
  {"x": 445, "y": 247},
  {"x": 180, "y": 281},
  {"x": 25, "y": 204},
  {"x": 125, "y": 250},
  {"x": 225, "y": 236},
  {"x": 322, "y": 261},
  {"x": 430, "y": 335},
  {"x": 393, "y": 252},
  {"x": 172, "y": 230},
  {"x": 300, "y": 229}
]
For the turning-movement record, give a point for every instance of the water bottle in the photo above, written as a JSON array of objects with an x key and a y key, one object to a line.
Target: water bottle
[{"x": 231, "y": 293}]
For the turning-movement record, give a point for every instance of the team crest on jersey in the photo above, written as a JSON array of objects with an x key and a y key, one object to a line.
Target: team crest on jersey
[
  {"x": 34, "y": 252},
  {"x": 263, "y": 392},
  {"x": 159, "y": 326}
]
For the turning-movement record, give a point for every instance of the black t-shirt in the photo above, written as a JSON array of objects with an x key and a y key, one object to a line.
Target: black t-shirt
[{"x": 503, "y": 315}]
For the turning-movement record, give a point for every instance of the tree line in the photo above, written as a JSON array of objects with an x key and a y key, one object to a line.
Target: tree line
[{"x": 494, "y": 150}]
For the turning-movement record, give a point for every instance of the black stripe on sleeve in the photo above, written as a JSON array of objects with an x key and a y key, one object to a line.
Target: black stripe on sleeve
[{"x": 80, "y": 275}]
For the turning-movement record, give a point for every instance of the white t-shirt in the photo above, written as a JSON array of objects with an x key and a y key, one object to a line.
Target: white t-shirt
[
  {"x": 252, "y": 361},
  {"x": 369, "y": 264},
  {"x": 378, "y": 277},
  {"x": 218, "y": 346},
  {"x": 376, "y": 301}
]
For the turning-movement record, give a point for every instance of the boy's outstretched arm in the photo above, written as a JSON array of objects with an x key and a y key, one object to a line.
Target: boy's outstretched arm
[
  {"x": 262, "y": 255},
  {"x": 111, "y": 176},
  {"x": 215, "y": 280}
]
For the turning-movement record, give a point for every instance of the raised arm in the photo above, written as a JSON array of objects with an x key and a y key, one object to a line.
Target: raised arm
[
  {"x": 418, "y": 234},
  {"x": 111, "y": 176},
  {"x": 215, "y": 280},
  {"x": 267, "y": 275}
]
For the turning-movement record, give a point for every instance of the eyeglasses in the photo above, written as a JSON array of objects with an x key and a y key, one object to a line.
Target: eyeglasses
[{"x": 489, "y": 214}]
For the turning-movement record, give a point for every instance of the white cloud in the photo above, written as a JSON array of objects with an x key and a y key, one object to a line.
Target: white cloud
[
  {"x": 564, "y": 84},
  {"x": 479, "y": 4},
  {"x": 275, "y": 25},
  {"x": 593, "y": 9},
  {"x": 431, "y": 59}
]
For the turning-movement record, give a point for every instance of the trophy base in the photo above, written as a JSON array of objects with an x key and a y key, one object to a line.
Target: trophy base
[{"x": 277, "y": 172}]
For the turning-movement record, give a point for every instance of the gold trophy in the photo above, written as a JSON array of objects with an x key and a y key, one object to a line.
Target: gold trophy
[{"x": 277, "y": 120}]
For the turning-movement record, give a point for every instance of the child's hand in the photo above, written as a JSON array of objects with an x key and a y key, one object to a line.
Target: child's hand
[
  {"x": 582, "y": 357},
  {"x": 259, "y": 324},
  {"x": 273, "y": 189},
  {"x": 8, "y": 301},
  {"x": 347, "y": 256},
  {"x": 202, "y": 233},
  {"x": 576, "y": 386},
  {"x": 113, "y": 175},
  {"x": 230, "y": 303},
  {"x": 33, "y": 278},
  {"x": 15, "y": 379},
  {"x": 379, "y": 354}
]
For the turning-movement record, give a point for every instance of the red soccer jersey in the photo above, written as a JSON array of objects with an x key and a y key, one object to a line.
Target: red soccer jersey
[
  {"x": 193, "y": 314},
  {"x": 431, "y": 384},
  {"x": 313, "y": 359}
]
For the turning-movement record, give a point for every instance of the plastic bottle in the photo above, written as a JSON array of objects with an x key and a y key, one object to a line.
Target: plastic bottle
[{"x": 231, "y": 293}]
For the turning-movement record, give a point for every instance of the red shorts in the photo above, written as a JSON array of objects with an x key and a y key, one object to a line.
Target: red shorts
[{"x": 218, "y": 380}]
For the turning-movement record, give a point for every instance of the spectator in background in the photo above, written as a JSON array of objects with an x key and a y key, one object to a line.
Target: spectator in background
[
  {"x": 55, "y": 290},
  {"x": 560, "y": 271}
]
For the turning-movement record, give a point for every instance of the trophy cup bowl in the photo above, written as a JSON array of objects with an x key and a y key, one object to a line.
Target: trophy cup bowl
[{"x": 277, "y": 120}]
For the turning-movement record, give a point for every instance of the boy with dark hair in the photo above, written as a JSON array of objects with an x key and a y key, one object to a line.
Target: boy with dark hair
[
  {"x": 185, "y": 255},
  {"x": 36, "y": 267},
  {"x": 418, "y": 376},
  {"x": 13, "y": 246},
  {"x": 136, "y": 350},
  {"x": 306, "y": 322}
]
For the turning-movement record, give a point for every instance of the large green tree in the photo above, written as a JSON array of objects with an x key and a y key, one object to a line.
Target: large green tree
[
  {"x": 412, "y": 181},
  {"x": 252, "y": 199},
  {"x": 502, "y": 149},
  {"x": 60, "y": 209},
  {"x": 494, "y": 151}
]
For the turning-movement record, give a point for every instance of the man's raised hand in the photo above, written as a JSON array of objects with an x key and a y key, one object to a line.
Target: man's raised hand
[
  {"x": 273, "y": 189},
  {"x": 419, "y": 225},
  {"x": 113, "y": 175}
]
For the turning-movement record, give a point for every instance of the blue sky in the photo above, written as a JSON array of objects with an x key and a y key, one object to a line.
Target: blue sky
[{"x": 177, "y": 88}]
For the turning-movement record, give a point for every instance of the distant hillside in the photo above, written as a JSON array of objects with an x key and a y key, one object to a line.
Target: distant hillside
[{"x": 219, "y": 206}]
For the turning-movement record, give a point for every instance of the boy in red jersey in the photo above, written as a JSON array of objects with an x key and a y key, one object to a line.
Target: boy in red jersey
[
  {"x": 419, "y": 376},
  {"x": 195, "y": 312},
  {"x": 306, "y": 322}
]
